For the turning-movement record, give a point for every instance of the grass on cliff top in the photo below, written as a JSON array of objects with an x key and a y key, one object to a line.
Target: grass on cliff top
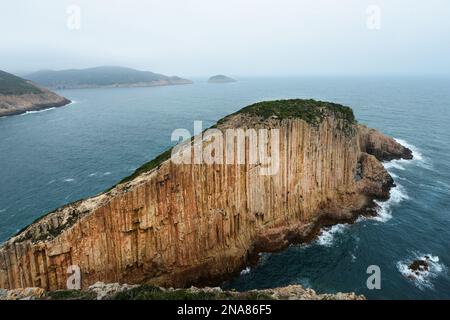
[
  {"x": 149, "y": 165},
  {"x": 311, "y": 111}
]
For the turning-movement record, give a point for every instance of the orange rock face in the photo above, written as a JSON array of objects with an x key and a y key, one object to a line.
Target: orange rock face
[{"x": 178, "y": 225}]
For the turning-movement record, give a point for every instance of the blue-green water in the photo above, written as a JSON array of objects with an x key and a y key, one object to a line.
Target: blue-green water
[{"x": 50, "y": 158}]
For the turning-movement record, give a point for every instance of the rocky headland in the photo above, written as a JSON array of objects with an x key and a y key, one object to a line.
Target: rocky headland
[
  {"x": 177, "y": 225},
  {"x": 18, "y": 96}
]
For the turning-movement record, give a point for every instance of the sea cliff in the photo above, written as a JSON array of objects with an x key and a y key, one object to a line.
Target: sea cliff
[{"x": 188, "y": 224}]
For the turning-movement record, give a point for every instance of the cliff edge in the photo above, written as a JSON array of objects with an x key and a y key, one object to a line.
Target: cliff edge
[
  {"x": 18, "y": 96},
  {"x": 177, "y": 224}
]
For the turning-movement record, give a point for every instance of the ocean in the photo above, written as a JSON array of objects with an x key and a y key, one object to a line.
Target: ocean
[{"x": 53, "y": 157}]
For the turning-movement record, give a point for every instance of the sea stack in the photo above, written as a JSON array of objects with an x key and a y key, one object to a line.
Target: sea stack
[
  {"x": 18, "y": 96},
  {"x": 176, "y": 225},
  {"x": 220, "y": 79}
]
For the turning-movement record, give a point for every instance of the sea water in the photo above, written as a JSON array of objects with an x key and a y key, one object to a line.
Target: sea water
[{"x": 51, "y": 158}]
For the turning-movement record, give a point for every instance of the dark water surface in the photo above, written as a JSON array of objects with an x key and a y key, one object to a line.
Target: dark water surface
[{"x": 51, "y": 158}]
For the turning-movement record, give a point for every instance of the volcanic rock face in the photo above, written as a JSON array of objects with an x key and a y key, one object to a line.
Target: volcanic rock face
[{"x": 183, "y": 224}]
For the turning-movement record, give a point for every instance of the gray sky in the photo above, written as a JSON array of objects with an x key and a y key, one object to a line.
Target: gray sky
[{"x": 234, "y": 37}]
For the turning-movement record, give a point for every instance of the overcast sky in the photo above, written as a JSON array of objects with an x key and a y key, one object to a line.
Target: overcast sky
[{"x": 233, "y": 37}]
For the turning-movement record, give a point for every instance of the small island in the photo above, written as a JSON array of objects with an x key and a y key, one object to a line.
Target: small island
[
  {"x": 220, "y": 79},
  {"x": 18, "y": 96}
]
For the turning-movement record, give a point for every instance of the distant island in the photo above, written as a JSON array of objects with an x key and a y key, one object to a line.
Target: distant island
[
  {"x": 18, "y": 96},
  {"x": 220, "y": 79},
  {"x": 108, "y": 76}
]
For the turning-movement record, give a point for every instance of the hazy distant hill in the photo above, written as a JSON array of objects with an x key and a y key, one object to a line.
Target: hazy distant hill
[
  {"x": 220, "y": 79},
  {"x": 103, "y": 77},
  {"x": 18, "y": 95}
]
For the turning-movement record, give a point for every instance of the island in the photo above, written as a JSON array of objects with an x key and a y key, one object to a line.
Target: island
[
  {"x": 176, "y": 224},
  {"x": 18, "y": 96},
  {"x": 106, "y": 76},
  {"x": 220, "y": 79}
]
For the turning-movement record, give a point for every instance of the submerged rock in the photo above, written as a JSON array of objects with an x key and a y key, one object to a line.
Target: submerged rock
[{"x": 419, "y": 266}]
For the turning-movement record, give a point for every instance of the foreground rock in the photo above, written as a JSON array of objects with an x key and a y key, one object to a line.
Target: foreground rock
[
  {"x": 196, "y": 224},
  {"x": 115, "y": 291},
  {"x": 18, "y": 96}
]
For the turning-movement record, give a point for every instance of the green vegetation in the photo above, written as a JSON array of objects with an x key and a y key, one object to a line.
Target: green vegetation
[
  {"x": 149, "y": 165},
  {"x": 71, "y": 295},
  {"x": 13, "y": 85},
  {"x": 147, "y": 292},
  {"x": 311, "y": 111}
]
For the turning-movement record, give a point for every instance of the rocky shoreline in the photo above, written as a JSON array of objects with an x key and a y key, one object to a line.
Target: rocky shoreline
[
  {"x": 11, "y": 105},
  {"x": 37, "y": 107}
]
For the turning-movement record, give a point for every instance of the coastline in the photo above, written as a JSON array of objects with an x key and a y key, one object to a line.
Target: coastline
[
  {"x": 365, "y": 177},
  {"x": 38, "y": 107},
  {"x": 115, "y": 86}
]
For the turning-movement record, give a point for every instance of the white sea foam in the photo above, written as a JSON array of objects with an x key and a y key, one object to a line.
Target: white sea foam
[
  {"x": 384, "y": 208},
  {"x": 422, "y": 279},
  {"x": 2, "y": 210},
  {"x": 398, "y": 193},
  {"x": 37, "y": 111},
  {"x": 394, "y": 164},
  {"x": 107, "y": 173},
  {"x": 48, "y": 109},
  {"x": 400, "y": 164},
  {"x": 327, "y": 235},
  {"x": 245, "y": 271},
  {"x": 417, "y": 155},
  {"x": 69, "y": 180},
  {"x": 93, "y": 174}
]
